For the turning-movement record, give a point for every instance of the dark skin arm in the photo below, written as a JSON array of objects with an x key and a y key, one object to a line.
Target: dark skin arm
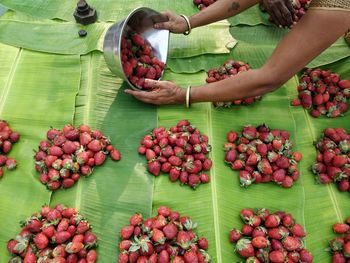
[{"x": 316, "y": 31}]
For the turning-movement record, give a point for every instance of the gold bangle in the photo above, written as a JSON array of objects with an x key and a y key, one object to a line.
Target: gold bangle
[
  {"x": 188, "y": 91},
  {"x": 188, "y": 25}
]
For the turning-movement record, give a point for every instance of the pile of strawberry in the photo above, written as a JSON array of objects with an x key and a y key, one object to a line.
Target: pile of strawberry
[
  {"x": 228, "y": 69},
  {"x": 340, "y": 246},
  {"x": 180, "y": 151},
  {"x": 69, "y": 153},
  {"x": 202, "y": 4},
  {"x": 267, "y": 237},
  {"x": 7, "y": 139},
  {"x": 333, "y": 158},
  {"x": 165, "y": 238},
  {"x": 54, "y": 235},
  {"x": 262, "y": 155},
  {"x": 139, "y": 60},
  {"x": 323, "y": 93}
]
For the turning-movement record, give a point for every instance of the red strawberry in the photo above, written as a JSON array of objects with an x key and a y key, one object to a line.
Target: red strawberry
[
  {"x": 341, "y": 228},
  {"x": 163, "y": 257},
  {"x": 154, "y": 168},
  {"x": 245, "y": 248},
  {"x": 298, "y": 231},
  {"x": 272, "y": 221},
  {"x": 91, "y": 256},
  {"x": 260, "y": 242},
  {"x": 264, "y": 167},
  {"x": 126, "y": 232},
  {"x": 41, "y": 241},
  {"x": 235, "y": 235},
  {"x": 305, "y": 256},
  {"x": 74, "y": 247},
  {"x": 170, "y": 231},
  {"x": 90, "y": 239},
  {"x": 128, "y": 69},
  {"x": 291, "y": 243},
  {"x": 190, "y": 257},
  {"x": 61, "y": 237},
  {"x": 158, "y": 236},
  {"x": 115, "y": 155},
  {"x": 276, "y": 257},
  {"x": 152, "y": 73},
  {"x": 344, "y": 84}
]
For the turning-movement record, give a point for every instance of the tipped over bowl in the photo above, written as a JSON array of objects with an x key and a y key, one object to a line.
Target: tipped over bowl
[{"x": 140, "y": 21}]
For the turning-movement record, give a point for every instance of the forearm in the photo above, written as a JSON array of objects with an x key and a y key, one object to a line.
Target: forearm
[
  {"x": 220, "y": 10},
  {"x": 246, "y": 84}
]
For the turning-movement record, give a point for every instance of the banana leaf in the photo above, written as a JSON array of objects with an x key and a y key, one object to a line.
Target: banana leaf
[
  {"x": 52, "y": 37},
  {"x": 117, "y": 189},
  {"x": 115, "y": 10},
  {"x": 62, "y": 38},
  {"x": 107, "y": 10},
  {"x": 200, "y": 41},
  {"x": 255, "y": 46},
  {"x": 314, "y": 206},
  {"x": 3, "y": 10},
  {"x": 34, "y": 96},
  {"x": 251, "y": 17}
]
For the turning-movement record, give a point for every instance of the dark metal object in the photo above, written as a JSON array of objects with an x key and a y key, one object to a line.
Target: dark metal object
[
  {"x": 82, "y": 33},
  {"x": 85, "y": 14}
]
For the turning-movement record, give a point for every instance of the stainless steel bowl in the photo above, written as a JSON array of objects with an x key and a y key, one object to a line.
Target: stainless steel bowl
[{"x": 140, "y": 20}]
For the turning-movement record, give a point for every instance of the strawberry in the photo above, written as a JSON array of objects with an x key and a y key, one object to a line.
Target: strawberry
[
  {"x": 91, "y": 256},
  {"x": 126, "y": 232},
  {"x": 154, "y": 168},
  {"x": 61, "y": 237},
  {"x": 341, "y": 228},
  {"x": 298, "y": 230},
  {"x": 245, "y": 248},
  {"x": 235, "y": 235},
  {"x": 90, "y": 239},
  {"x": 276, "y": 257},
  {"x": 272, "y": 221},
  {"x": 74, "y": 247},
  {"x": 152, "y": 73},
  {"x": 264, "y": 167},
  {"x": 291, "y": 243},
  {"x": 163, "y": 257},
  {"x": 305, "y": 256},
  {"x": 260, "y": 242}
]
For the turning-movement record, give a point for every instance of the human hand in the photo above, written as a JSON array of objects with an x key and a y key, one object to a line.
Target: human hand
[
  {"x": 175, "y": 23},
  {"x": 162, "y": 92},
  {"x": 281, "y": 12}
]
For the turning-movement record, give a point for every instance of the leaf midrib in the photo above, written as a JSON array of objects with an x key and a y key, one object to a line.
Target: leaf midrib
[{"x": 9, "y": 80}]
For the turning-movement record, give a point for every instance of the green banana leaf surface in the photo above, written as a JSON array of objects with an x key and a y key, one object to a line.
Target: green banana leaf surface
[{"x": 70, "y": 83}]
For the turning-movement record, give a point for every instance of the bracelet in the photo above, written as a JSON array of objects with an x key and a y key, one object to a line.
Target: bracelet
[
  {"x": 188, "y": 91},
  {"x": 188, "y": 25}
]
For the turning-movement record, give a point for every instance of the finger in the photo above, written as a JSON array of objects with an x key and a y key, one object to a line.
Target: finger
[
  {"x": 289, "y": 6},
  {"x": 287, "y": 16},
  {"x": 144, "y": 96},
  {"x": 273, "y": 16},
  {"x": 151, "y": 83},
  {"x": 279, "y": 17},
  {"x": 164, "y": 25}
]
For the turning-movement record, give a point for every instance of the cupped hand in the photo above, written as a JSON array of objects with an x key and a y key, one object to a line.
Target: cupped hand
[
  {"x": 281, "y": 11},
  {"x": 175, "y": 23},
  {"x": 162, "y": 92}
]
